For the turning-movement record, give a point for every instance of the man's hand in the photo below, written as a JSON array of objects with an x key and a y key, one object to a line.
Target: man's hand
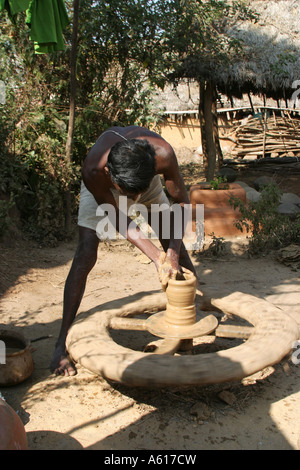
[{"x": 168, "y": 268}]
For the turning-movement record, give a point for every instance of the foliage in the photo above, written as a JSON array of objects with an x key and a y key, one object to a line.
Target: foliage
[
  {"x": 33, "y": 168},
  {"x": 267, "y": 227},
  {"x": 219, "y": 183},
  {"x": 116, "y": 44},
  {"x": 124, "y": 49},
  {"x": 198, "y": 39}
]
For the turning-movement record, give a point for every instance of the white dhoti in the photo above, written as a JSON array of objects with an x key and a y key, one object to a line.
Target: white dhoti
[{"x": 87, "y": 215}]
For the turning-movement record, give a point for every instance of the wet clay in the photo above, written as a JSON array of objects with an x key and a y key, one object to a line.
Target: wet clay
[
  {"x": 181, "y": 293},
  {"x": 179, "y": 320}
]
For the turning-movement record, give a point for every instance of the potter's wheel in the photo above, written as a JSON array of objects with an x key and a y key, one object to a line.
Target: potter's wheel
[
  {"x": 180, "y": 320},
  {"x": 267, "y": 338},
  {"x": 158, "y": 325}
]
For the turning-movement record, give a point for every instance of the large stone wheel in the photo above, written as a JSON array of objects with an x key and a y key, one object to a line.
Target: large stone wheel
[{"x": 269, "y": 338}]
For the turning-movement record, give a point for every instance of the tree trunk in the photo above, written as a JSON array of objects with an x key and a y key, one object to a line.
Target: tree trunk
[
  {"x": 73, "y": 86},
  {"x": 216, "y": 129},
  {"x": 209, "y": 129}
]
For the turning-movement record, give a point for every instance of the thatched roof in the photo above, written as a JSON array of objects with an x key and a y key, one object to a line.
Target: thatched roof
[
  {"x": 269, "y": 65},
  {"x": 271, "y": 59},
  {"x": 182, "y": 98}
]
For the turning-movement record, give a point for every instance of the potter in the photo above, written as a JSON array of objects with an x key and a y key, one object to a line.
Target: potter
[{"x": 125, "y": 161}]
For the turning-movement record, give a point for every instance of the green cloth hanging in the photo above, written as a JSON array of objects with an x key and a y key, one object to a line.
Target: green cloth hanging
[
  {"x": 14, "y": 6},
  {"x": 47, "y": 19}
]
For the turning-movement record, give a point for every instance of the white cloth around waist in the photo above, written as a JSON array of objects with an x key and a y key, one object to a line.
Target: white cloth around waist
[{"x": 88, "y": 206}]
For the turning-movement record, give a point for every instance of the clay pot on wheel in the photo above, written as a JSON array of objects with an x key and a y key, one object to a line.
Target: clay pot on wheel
[
  {"x": 181, "y": 295},
  {"x": 12, "y": 431}
]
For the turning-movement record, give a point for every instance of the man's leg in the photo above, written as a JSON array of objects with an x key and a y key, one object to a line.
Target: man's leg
[{"x": 84, "y": 260}]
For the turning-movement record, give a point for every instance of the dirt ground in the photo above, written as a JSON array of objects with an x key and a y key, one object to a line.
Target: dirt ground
[{"x": 87, "y": 412}]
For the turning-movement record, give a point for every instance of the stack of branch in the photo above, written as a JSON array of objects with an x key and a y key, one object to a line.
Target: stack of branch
[{"x": 273, "y": 136}]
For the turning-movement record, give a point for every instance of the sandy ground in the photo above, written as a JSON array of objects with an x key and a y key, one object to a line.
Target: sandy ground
[{"x": 86, "y": 412}]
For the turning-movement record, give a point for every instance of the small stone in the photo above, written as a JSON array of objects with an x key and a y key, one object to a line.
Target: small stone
[
  {"x": 201, "y": 411},
  {"x": 252, "y": 194},
  {"x": 288, "y": 208},
  {"x": 227, "y": 397},
  {"x": 262, "y": 181},
  {"x": 243, "y": 184},
  {"x": 290, "y": 198}
]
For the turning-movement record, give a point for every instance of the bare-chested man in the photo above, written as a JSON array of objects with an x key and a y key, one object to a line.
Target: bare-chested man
[{"x": 124, "y": 161}]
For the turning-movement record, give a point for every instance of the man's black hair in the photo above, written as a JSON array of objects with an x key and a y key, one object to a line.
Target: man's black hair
[{"x": 131, "y": 165}]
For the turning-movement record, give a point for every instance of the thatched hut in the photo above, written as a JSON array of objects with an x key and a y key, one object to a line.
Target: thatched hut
[
  {"x": 268, "y": 68},
  {"x": 270, "y": 64}
]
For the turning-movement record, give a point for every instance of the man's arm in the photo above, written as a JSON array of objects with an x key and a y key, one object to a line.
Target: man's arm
[
  {"x": 168, "y": 166},
  {"x": 96, "y": 183}
]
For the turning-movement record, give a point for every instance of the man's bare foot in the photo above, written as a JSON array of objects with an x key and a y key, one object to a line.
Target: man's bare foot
[{"x": 61, "y": 364}]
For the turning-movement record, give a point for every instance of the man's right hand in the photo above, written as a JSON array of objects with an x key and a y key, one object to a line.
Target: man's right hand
[{"x": 166, "y": 270}]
